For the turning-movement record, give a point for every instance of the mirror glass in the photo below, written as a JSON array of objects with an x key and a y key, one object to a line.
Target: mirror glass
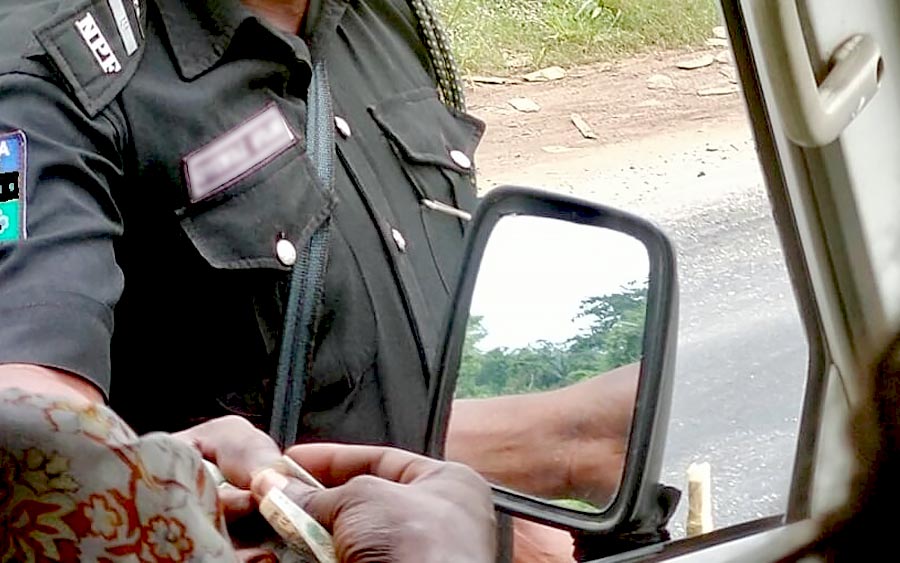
[{"x": 555, "y": 329}]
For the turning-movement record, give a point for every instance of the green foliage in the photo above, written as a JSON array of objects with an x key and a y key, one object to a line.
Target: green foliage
[
  {"x": 579, "y": 505},
  {"x": 596, "y": 9},
  {"x": 509, "y": 36},
  {"x": 613, "y": 338},
  {"x": 617, "y": 324}
]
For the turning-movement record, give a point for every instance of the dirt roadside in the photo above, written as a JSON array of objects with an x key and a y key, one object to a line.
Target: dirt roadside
[{"x": 626, "y": 102}]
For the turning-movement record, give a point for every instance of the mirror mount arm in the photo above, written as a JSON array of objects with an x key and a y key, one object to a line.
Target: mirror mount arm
[
  {"x": 505, "y": 537},
  {"x": 654, "y": 530}
]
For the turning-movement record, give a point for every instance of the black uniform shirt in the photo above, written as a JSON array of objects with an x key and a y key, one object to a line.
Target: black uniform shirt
[{"x": 158, "y": 154}]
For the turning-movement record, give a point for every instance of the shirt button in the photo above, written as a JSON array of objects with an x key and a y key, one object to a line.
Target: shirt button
[
  {"x": 342, "y": 126},
  {"x": 285, "y": 252},
  {"x": 399, "y": 240},
  {"x": 461, "y": 159}
]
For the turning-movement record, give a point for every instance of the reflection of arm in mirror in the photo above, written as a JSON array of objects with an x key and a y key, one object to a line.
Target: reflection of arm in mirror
[
  {"x": 537, "y": 543},
  {"x": 565, "y": 443}
]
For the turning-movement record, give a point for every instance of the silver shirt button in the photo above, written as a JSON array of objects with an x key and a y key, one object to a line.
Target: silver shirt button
[
  {"x": 399, "y": 240},
  {"x": 342, "y": 126},
  {"x": 461, "y": 159},
  {"x": 286, "y": 252}
]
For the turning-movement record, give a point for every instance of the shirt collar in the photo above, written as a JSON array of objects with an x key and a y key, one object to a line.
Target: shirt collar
[{"x": 200, "y": 32}]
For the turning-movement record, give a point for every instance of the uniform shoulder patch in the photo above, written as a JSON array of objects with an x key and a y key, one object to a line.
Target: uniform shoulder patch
[
  {"x": 96, "y": 45},
  {"x": 12, "y": 187}
]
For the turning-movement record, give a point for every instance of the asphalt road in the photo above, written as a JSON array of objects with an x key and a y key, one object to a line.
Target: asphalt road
[
  {"x": 742, "y": 353},
  {"x": 741, "y": 358}
]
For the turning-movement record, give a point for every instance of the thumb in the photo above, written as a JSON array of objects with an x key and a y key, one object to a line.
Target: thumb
[
  {"x": 256, "y": 555},
  {"x": 321, "y": 505}
]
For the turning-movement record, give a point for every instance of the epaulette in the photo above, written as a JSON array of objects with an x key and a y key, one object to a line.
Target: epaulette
[{"x": 96, "y": 46}]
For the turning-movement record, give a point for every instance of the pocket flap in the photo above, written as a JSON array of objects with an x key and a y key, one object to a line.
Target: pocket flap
[{"x": 427, "y": 132}]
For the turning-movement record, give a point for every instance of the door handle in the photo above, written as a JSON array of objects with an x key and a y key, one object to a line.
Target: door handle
[{"x": 814, "y": 114}]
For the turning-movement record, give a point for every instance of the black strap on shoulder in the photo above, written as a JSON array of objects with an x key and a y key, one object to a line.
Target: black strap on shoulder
[
  {"x": 449, "y": 86},
  {"x": 307, "y": 278},
  {"x": 305, "y": 294}
]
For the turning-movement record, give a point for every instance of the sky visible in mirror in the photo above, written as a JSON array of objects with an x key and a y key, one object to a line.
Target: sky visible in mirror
[{"x": 536, "y": 272}]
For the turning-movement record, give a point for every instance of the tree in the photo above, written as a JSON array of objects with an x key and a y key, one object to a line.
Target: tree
[
  {"x": 613, "y": 338},
  {"x": 471, "y": 364},
  {"x": 617, "y": 324}
]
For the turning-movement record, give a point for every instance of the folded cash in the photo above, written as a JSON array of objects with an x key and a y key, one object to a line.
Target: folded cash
[
  {"x": 308, "y": 541},
  {"x": 285, "y": 465},
  {"x": 297, "y": 528},
  {"x": 290, "y": 468},
  {"x": 214, "y": 473}
]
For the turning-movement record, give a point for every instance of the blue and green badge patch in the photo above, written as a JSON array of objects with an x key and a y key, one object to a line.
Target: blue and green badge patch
[{"x": 12, "y": 187}]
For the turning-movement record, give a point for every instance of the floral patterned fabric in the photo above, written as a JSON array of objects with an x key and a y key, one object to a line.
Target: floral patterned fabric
[{"x": 77, "y": 484}]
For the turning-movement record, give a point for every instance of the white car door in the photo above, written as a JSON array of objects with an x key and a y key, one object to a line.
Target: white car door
[{"x": 821, "y": 83}]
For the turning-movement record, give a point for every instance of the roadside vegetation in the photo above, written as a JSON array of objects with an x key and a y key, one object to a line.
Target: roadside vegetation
[
  {"x": 512, "y": 36},
  {"x": 613, "y": 338}
]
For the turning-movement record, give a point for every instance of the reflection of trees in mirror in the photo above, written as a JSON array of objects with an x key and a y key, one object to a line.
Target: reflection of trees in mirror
[
  {"x": 613, "y": 338},
  {"x": 579, "y": 505}
]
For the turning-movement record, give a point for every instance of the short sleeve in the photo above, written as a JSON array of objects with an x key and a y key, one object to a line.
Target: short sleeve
[{"x": 59, "y": 280}]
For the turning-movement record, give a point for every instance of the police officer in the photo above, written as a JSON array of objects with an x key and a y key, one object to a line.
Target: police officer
[
  {"x": 219, "y": 207},
  {"x": 166, "y": 190}
]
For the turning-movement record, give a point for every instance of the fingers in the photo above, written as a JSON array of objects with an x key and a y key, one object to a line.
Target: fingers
[
  {"x": 300, "y": 493},
  {"x": 326, "y": 505},
  {"x": 236, "y": 503},
  {"x": 256, "y": 555},
  {"x": 236, "y": 446},
  {"x": 385, "y": 501},
  {"x": 536, "y": 542},
  {"x": 240, "y": 466},
  {"x": 267, "y": 480},
  {"x": 335, "y": 464},
  {"x": 270, "y": 479}
]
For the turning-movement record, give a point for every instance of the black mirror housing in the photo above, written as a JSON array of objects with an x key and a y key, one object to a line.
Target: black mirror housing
[{"x": 636, "y": 506}]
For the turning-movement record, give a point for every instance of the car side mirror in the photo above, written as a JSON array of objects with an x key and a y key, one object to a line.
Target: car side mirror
[{"x": 557, "y": 295}]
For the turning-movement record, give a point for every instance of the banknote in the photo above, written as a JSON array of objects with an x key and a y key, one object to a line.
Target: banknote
[
  {"x": 308, "y": 541},
  {"x": 287, "y": 466},
  {"x": 215, "y": 473},
  {"x": 297, "y": 528}
]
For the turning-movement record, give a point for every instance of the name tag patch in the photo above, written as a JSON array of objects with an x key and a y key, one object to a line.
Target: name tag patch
[
  {"x": 237, "y": 153},
  {"x": 12, "y": 187},
  {"x": 97, "y": 43}
]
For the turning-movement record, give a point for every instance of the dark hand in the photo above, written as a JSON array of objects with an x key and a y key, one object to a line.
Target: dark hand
[
  {"x": 390, "y": 506},
  {"x": 241, "y": 451}
]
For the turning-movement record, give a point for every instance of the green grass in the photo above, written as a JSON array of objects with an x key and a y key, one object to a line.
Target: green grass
[
  {"x": 514, "y": 36},
  {"x": 580, "y": 505}
]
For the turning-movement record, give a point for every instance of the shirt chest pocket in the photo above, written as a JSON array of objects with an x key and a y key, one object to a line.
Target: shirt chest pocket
[
  {"x": 246, "y": 225},
  {"x": 239, "y": 226},
  {"x": 435, "y": 146}
]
